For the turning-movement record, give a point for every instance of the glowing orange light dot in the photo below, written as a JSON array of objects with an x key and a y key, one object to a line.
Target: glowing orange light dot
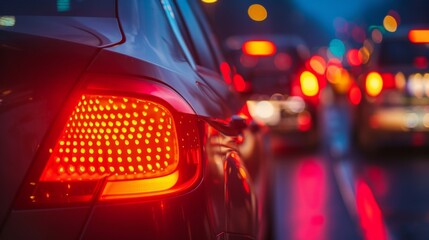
[
  {"x": 257, "y": 12},
  {"x": 149, "y": 166}
]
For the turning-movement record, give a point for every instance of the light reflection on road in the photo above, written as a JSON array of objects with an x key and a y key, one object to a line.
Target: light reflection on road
[
  {"x": 308, "y": 204},
  {"x": 309, "y": 199}
]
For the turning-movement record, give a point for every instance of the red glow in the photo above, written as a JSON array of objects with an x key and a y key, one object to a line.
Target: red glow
[
  {"x": 304, "y": 121},
  {"x": 418, "y": 139},
  {"x": 354, "y": 57},
  {"x": 259, "y": 48},
  {"x": 225, "y": 69},
  {"x": 370, "y": 216},
  {"x": 106, "y": 136},
  {"x": 420, "y": 62},
  {"x": 309, "y": 201},
  {"x": 244, "y": 112},
  {"x": 239, "y": 83},
  {"x": 388, "y": 80},
  {"x": 122, "y": 145},
  {"x": 377, "y": 178},
  {"x": 355, "y": 95}
]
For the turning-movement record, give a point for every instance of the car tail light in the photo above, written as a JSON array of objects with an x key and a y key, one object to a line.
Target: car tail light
[
  {"x": 116, "y": 145},
  {"x": 355, "y": 95},
  {"x": 388, "y": 80},
  {"x": 309, "y": 84},
  {"x": 259, "y": 48},
  {"x": 225, "y": 69},
  {"x": 240, "y": 85},
  {"x": 376, "y": 82},
  {"x": 419, "y": 36},
  {"x": 373, "y": 84}
]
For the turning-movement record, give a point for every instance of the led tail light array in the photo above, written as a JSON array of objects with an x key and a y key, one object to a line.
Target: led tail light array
[
  {"x": 117, "y": 147},
  {"x": 117, "y": 137}
]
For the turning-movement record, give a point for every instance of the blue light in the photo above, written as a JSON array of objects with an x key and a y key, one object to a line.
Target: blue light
[
  {"x": 337, "y": 48},
  {"x": 63, "y": 5}
]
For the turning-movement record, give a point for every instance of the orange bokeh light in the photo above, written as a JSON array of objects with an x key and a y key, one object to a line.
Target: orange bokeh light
[
  {"x": 259, "y": 48},
  {"x": 318, "y": 64},
  {"x": 419, "y": 36}
]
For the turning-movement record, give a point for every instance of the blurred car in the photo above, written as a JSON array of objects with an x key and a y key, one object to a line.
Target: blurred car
[
  {"x": 395, "y": 106},
  {"x": 114, "y": 126},
  {"x": 282, "y": 90}
]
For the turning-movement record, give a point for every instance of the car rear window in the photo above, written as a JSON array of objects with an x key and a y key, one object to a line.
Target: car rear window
[
  {"x": 89, "y": 8},
  {"x": 402, "y": 52}
]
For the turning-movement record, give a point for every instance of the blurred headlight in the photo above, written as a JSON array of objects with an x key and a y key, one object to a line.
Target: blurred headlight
[{"x": 264, "y": 109}]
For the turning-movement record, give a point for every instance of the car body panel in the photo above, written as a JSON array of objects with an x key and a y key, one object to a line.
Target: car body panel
[
  {"x": 45, "y": 224},
  {"x": 199, "y": 212}
]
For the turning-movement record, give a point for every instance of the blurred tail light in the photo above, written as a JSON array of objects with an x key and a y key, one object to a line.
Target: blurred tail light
[
  {"x": 225, "y": 69},
  {"x": 259, "y": 48},
  {"x": 309, "y": 84},
  {"x": 376, "y": 82},
  {"x": 419, "y": 36},
  {"x": 355, "y": 95},
  {"x": 120, "y": 146},
  {"x": 240, "y": 85},
  {"x": 373, "y": 84},
  {"x": 388, "y": 80}
]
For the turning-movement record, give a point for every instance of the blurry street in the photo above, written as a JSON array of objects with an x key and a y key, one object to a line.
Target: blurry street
[{"x": 338, "y": 192}]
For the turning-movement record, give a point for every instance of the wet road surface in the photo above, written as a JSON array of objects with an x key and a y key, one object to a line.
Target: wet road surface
[{"x": 338, "y": 192}]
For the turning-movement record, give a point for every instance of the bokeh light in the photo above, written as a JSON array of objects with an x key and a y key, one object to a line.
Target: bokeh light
[
  {"x": 373, "y": 84},
  {"x": 419, "y": 36},
  {"x": 209, "y": 1},
  {"x": 354, "y": 57},
  {"x": 7, "y": 21},
  {"x": 337, "y": 47},
  {"x": 376, "y": 35},
  {"x": 364, "y": 54},
  {"x": 309, "y": 84},
  {"x": 390, "y": 23},
  {"x": 355, "y": 95},
  {"x": 259, "y": 48},
  {"x": 257, "y": 12},
  {"x": 318, "y": 64},
  {"x": 239, "y": 83}
]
